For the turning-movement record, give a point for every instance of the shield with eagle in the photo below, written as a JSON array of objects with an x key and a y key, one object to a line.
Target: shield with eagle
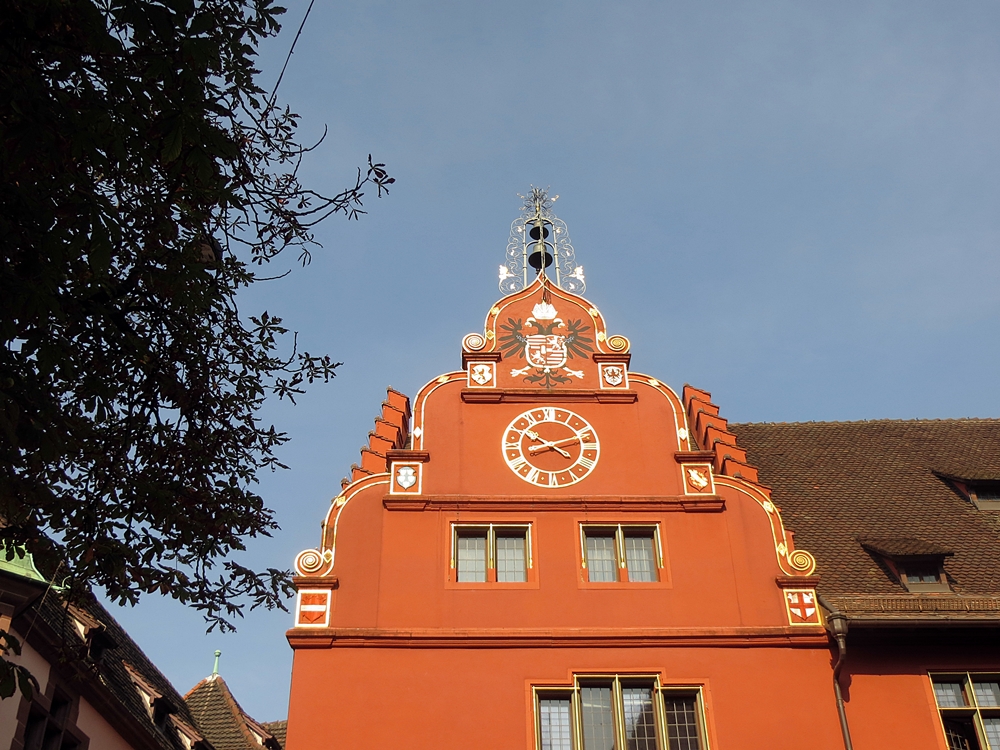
[{"x": 545, "y": 351}]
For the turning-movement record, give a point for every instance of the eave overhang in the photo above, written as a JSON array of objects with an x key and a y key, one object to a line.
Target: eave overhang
[{"x": 900, "y": 611}]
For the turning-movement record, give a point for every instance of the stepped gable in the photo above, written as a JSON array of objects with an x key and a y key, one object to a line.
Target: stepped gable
[
  {"x": 711, "y": 433},
  {"x": 846, "y": 483},
  {"x": 545, "y": 346},
  {"x": 223, "y": 722},
  {"x": 392, "y": 429}
]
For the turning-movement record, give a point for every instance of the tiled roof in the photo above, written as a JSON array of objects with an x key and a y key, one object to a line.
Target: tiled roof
[
  {"x": 841, "y": 482},
  {"x": 278, "y": 728},
  {"x": 906, "y": 546},
  {"x": 222, "y": 721},
  {"x": 112, "y": 669},
  {"x": 122, "y": 674}
]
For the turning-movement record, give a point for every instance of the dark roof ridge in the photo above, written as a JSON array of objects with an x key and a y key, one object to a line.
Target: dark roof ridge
[
  {"x": 915, "y": 420},
  {"x": 278, "y": 729},
  {"x": 108, "y": 679},
  {"x": 899, "y": 547}
]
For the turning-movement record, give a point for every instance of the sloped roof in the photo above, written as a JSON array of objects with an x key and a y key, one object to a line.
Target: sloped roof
[
  {"x": 838, "y": 483},
  {"x": 62, "y": 627},
  {"x": 222, "y": 721},
  {"x": 278, "y": 728},
  {"x": 903, "y": 547},
  {"x": 19, "y": 564}
]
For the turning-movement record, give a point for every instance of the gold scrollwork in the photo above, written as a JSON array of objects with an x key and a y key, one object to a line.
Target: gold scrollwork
[
  {"x": 618, "y": 343},
  {"x": 310, "y": 562},
  {"x": 473, "y": 342},
  {"x": 802, "y": 561}
]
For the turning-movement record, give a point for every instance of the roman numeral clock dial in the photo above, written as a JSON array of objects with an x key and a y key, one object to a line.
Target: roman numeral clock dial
[{"x": 551, "y": 447}]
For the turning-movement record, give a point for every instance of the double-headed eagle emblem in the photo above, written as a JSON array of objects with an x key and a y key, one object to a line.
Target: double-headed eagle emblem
[{"x": 548, "y": 349}]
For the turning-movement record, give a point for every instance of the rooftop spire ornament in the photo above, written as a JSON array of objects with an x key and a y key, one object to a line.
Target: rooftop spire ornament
[{"x": 539, "y": 245}]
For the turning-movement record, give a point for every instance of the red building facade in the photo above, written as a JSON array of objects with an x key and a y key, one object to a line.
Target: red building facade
[{"x": 546, "y": 550}]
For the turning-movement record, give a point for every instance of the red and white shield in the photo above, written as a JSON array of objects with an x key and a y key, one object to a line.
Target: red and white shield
[
  {"x": 545, "y": 351},
  {"x": 801, "y": 606}
]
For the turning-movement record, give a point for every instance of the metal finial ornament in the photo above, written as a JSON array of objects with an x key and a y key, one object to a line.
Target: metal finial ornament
[{"x": 539, "y": 245}]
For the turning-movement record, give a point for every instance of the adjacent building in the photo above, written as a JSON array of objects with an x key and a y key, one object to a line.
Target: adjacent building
[
  {"x": 904, "y": 520},
  {"x": 97, "y": 689}
]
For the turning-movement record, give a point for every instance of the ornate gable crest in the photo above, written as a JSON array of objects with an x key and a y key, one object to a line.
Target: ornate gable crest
[
  {"x": 546, "y": 344},
  {"x": 545, "y": 337},
  {"x": 543, "y": 334}
]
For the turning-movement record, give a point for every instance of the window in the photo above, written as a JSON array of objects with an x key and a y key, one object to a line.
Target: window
[
  {"x": 970, "y": 710},
  {"x": 919, "y": 564},
  {"x": 922, "y": 575},
  {"x": 985, "y": 495},
  {"x": 492, "y": 553},
  {"x": 619, "y": 712},
  {"x": 51, "y": 728},
  {"x": 621, "y": 553}
]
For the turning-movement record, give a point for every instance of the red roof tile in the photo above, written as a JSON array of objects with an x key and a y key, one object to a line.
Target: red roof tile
[{"x": 838, "y": 482}]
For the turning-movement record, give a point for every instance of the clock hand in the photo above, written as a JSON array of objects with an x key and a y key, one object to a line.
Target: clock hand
[
  {"x": 547, "y": 445},
  {"x": 555, "y": 445}
]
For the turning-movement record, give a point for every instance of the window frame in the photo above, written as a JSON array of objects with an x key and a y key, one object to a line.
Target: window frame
[
  {"x": 971, "y": 710},
  {"x": 619, "y": 680},
  {"x": 941, "y": 585},
  {"x": 53, "y": 713},
  {"x": 974, "y": 488},
  {"x": 619, "y": 531},
  {"x": 455, "y": 531},
  {"x": 971, "y": 489}
]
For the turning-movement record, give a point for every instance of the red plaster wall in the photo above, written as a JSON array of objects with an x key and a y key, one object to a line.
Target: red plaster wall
[
  {"x": 888, "y": 693},
  {"x": 462, "y": 698},
  {"x": 715, "y": 619}
]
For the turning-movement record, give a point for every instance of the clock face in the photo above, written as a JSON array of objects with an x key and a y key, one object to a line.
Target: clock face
[{"x": 550, "y": 447}]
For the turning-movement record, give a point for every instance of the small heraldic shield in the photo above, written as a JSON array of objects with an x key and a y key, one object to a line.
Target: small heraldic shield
[
  {"x": 802, "y": 607},
  {"x": 545, "y": 351},
  {"x": 482, "y": 374},
  {"x": 406, "y": 477},
  {"x": 697, "y": 479},
  {"x": 614, "y": 375}
]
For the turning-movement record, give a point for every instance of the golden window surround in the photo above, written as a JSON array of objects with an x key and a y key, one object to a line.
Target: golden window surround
[
  {"x": 619, "y": 530},
  {"x": 618, "y": 680},
  {"x": 491, "y": 534}
]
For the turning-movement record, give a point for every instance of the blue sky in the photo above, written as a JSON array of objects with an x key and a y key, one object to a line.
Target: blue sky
[{"x": 790, "y": 204}]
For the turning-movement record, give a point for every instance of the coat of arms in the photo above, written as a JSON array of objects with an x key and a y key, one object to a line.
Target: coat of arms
[
  {"x": 482, "y": 374},
  {"x": 406, "y": 477},
  {"x": 802, "y": 607},
  {"x": 698, "y": 480},
  {"x": 547, "y": 348},
  {"x": 614, "y": 375}
]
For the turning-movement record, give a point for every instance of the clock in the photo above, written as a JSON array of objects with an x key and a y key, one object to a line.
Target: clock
[{"x": 551, "y": 447}]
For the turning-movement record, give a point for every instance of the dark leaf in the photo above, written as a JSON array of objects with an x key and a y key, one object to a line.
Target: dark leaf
[{"x": 130, "y": 384}]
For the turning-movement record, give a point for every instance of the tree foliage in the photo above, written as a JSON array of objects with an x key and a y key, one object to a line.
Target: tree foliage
[{"x": 147, "y": 177}]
